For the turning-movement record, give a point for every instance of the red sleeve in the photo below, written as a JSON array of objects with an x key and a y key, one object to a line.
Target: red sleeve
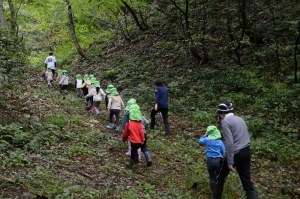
[
  {"x": 142, "y": 134},
  {"x": 125, "y": 132}
]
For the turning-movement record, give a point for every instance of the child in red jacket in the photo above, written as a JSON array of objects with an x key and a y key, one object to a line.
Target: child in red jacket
[{"x": 134, "y": 130}]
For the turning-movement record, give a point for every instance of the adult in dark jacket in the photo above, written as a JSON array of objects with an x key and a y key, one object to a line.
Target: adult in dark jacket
[
  {"x": 161, "y": 105},
  {"x": 237, "y": 156}
]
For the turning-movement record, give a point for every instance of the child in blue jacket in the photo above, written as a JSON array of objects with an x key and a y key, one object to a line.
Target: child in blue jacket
[{"x": 215, "y": 150}]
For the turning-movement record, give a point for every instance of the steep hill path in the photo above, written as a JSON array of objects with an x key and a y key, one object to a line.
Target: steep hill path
[{"x": 74, "y": 155}]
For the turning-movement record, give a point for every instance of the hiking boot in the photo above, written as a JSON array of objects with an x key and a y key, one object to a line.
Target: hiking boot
[
  {"x": 217, "y": 191},
  {"x": 110, "y": 126},
  {"x": 252, "y": 195},
  {"x": 167, "y": 128}
]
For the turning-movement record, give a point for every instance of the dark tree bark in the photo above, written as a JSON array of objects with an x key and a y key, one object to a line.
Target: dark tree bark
[
  {"x": 2, "y": 20},
  {"x": 72, "y": 29},
  {"x": 134, "y": 16},
  {"x": 238, "y": 49},
  {"x": 13, "y": 17},
  {"x": 184, "y": 13},
  {"x": 229, "y": 22},
  {"x": 295, "y": 55}
]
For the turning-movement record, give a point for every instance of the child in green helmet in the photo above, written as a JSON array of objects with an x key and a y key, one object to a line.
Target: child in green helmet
[
  {"x": 131, "y": 104},
  {"x": 78, "y": 84},
  {"x": 215, "y": 150},
  {"x": 108, "y": 94},
  {"x": 91, "y": 86},
  {"x": 115, "y": 105},
  {"x": 49, "y": 76},
  {"x": 134, "y": 132},
  {"x": 98, "y": 95},
  {"x": 58, "y": 78},
  {"x": 64, "y": 82}
]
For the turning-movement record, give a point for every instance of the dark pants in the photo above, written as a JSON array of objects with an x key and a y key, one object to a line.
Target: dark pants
[
  {"x": 134, "y": 151},
  {"x": 164, "y": 112},
  {"x": 115, "y": 112},
  {"x": 64, "y": 87},
  {"x": 96, "y": 104},
  {"x": 242, "y": 164},
  {"x": 53, "y": 72},
  {"x": 79, "y": 92},
  {"x": 213, "y": 166}
]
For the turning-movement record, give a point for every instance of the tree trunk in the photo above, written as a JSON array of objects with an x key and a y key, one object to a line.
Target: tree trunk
[
  {"x": 295, "y": 55},
  {"x": 13, "y": 16},
  {"x": 72, "y": 29},
  {"x": 2, "y": 20},
  {"x": 136, "y": 19}
]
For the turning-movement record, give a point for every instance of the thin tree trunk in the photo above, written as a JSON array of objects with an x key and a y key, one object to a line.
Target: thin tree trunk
[
  {"x": 229, "y": 22},
  {"x": 72, "y": 29},
  {"x": 238, "y": 49},
  {"x": 295, "y": 55},
  {"x": 2, "y": 20},
  {"x": 136, "y": 19},
  {"x": 13, "y": 16}
]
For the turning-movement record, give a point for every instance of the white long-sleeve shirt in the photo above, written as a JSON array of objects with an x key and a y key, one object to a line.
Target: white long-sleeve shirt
[
  {"x": 64, "y": 80},
  {"x": 96, "y": 96}
]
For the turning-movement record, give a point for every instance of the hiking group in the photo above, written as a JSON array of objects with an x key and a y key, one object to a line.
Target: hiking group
[{"x": 220, "y": 159}]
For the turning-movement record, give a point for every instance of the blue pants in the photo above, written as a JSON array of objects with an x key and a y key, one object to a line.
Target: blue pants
[{"x": 213, "y": 168}]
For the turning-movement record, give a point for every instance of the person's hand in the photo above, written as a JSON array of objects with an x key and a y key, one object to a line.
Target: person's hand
[
  {"x": 108, "y": 109},
  {"x": 205, "y": 134},
  {"x": 155, "y": 107},
  {"x": 231, "y": 168}
]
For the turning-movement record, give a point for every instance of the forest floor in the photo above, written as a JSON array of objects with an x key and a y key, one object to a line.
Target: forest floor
[{"x": 81, "y": 158}]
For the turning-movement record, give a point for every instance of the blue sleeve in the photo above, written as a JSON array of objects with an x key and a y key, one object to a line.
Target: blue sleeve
[
  {"x": 202, "y": 140},
  {"x": 156, "y": 95},
  {"x": 125, "y": 119},
  {"x": 222, "y": 147}
]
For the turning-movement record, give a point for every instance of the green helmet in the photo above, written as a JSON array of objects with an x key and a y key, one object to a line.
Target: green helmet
[
  {"x": 129, "y": 103},
  {"x": 109, "y": 87},
  {"x": 114, "y": 92},
  {"x": 65, "y": 72},
  {"x": 78, "y": 77},
  {"x": 97, "y": 84},
  {"x": 135, "y": 113}
]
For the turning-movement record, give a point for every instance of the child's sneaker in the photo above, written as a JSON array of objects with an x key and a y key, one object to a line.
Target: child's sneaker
[
  {"x": 128, "y": 153},
  {"x": 110, "y": 126},
  {"x": 118, "y": 129}
]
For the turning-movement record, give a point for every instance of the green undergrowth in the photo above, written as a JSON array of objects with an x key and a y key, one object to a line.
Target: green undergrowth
[{"x": 69, "y": 153}]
